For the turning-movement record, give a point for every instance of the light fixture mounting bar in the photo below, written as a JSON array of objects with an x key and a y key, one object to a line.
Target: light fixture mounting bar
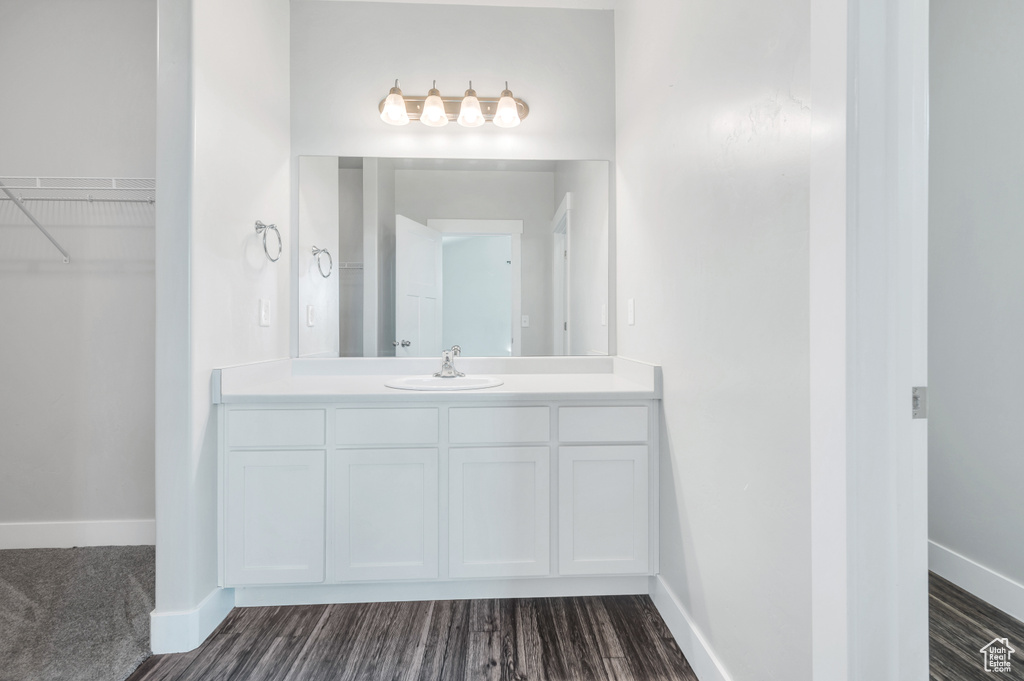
[{"x": 488, "y": 105}]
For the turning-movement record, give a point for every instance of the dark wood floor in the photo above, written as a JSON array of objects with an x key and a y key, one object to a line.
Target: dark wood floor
[
  {"x": 960, "y": 624},
  {"x": 610, "y": 638}
]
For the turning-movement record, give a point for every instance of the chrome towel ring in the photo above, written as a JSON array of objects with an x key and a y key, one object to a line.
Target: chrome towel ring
[
  {"x": 263, "y": 229},
  {"x": 317, "y": 252}
]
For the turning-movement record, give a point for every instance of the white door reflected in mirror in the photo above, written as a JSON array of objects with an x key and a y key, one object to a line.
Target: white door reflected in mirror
[{"x": 418, "y": 288}]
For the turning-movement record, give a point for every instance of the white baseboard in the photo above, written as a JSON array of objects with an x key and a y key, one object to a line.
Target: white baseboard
[
  {"x": 444, "y": 590},
  {"x": 988, "y": 585},
  {"x": 64, "y": 535},
  {"x": 691, "y": 641},
  {"x": 181, "y": 631}
]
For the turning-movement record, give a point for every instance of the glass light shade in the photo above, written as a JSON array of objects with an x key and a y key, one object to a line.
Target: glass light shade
[
  {"x": 507, "y": 113},
  {"x": 394, "y": 112},
  {"x": 433, "y": 110},
  {"x": 470, "y": 114}
]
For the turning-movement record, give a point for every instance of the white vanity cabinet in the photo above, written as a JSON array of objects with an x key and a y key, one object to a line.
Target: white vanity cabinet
[
  {"x": 604, "y": 490},
  {"x": 272, "y": 496},
  {"x": 438, "y": 491}
]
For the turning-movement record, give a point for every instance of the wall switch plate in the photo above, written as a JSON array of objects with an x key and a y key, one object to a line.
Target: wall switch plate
[
  {"x": 264, "y": 311},
  {"x": 526, "y": 321},
  {"x": 310, "y": 315},
  {"x": 631, "y": 312},
  {"x": 604, "y": 314}
]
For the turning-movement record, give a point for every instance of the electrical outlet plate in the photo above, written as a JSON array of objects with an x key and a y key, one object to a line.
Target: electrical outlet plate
[{"x": 264, "y": 311}]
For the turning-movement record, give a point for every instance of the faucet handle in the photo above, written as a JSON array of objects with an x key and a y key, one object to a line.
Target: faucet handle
[{"x": 456, "y": 350}]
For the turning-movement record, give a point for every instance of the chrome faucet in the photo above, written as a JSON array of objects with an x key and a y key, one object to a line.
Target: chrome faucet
[{"x": 448, "y": 363}]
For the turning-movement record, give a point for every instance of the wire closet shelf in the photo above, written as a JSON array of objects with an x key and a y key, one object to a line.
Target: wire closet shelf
[
  {"x": 90, "y": 189},
  {"x": 23, "y": 191}
]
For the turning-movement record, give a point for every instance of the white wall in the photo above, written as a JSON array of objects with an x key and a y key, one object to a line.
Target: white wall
[
  {"x": 713, "y": 138},
  {"x": 495, "y": 195},
  {"x": 223, "y": 163},
  {"x": 587, "y": 181},
  {"x": 976, "y": 311},
  {"x": 81, "y": 101},
  {"x": 76, "y": 352},
  {"x": 319, "y": 225},
  {"x": 346, "y": 55}
]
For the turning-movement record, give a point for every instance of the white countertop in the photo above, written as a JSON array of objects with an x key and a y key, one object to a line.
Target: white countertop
[{"x": 354, "y": 380}]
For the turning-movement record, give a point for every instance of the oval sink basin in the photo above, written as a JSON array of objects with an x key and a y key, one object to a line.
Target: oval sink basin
[{"x": 435, "y": 383}]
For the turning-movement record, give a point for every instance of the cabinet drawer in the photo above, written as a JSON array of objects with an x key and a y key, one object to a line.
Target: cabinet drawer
[
  {"x": 497, "y": 425},
  {"x": 276, "y": 427},
  {"x": 386, "y": 426},
  {"x": 602, "y": 424}
]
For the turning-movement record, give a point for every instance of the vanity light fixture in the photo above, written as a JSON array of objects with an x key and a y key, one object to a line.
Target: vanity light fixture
[
  {"x": 470, "y": 114},
  {"x": 392, "y": 109},
  {"x": 470, "y": 110},
  {"x": 507, "y": 114},
  {"x": 433, "y": 109}
]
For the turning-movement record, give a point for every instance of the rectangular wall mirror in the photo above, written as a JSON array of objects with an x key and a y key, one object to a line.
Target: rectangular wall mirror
[{"x": 503, "y": 258}]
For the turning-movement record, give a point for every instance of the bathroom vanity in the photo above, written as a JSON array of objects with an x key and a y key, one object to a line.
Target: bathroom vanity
[{"x": 334, "y": 487}]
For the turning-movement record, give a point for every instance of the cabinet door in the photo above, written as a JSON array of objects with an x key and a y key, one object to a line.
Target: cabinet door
[
  {"x": 499, "y": 501},
  {"x": 385, "y": 514},
  {"x": 602, "y": 510},
  {"x": 274, "y": 518}
]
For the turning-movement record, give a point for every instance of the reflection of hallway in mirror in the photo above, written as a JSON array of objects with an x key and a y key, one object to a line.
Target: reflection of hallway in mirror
[{"x": 477, "y": 288}]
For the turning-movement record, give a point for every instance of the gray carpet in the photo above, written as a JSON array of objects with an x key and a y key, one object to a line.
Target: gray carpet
[{"x": 75, "y": 614}]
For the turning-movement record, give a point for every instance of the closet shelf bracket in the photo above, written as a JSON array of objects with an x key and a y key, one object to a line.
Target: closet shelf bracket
[{"x": 32, "y": 218}]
